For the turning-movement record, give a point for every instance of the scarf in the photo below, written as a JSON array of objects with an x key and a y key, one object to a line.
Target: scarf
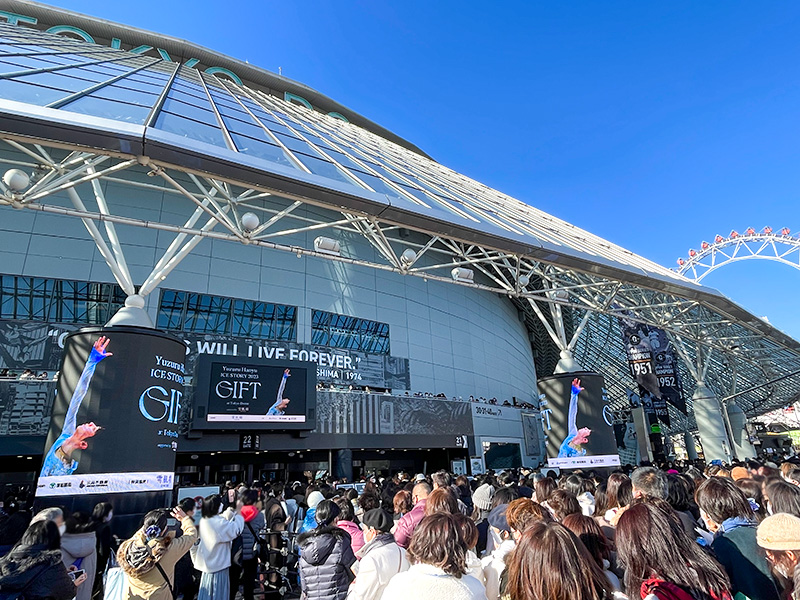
[{"x": 138, "y": 556}]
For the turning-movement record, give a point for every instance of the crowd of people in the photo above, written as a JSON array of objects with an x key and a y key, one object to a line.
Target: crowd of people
[{"x": 651, "y": 534}]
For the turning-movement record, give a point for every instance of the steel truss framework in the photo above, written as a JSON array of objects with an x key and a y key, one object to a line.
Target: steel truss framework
[
  {"x": 765, "y": 245},
  {"x": 729, "y": 354}
]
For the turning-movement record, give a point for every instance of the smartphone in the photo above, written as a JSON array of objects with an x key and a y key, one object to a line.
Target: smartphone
[{"x": 75, "y": 574}]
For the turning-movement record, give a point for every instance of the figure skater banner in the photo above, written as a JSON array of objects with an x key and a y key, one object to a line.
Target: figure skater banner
[
  {"x": 577, "y": 421},
  {"x": 115, "y": 417},
  {"x": 237, "y": 393}
]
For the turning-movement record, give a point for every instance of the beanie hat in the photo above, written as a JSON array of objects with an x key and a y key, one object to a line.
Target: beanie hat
[
  {"x": 497, "y": 518},
  {"x": 482, "y": 497},
  {"x": 739, "y": 473},
  {"x": 315, "y": 498},
  {"x": 779, "y": 532},
  {"x": 379, "y": 519}
]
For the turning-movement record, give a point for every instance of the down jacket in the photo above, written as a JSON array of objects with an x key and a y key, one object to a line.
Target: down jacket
[
  {"x": 325, "y": 561},
  {"x": 37, "y": 573}
]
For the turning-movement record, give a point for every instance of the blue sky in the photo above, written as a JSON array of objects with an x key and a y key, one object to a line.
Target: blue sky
[{"x": 653, "y": 124}]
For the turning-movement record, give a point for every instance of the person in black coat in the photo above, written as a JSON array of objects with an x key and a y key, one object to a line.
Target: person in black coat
[
  {"x": 326, "y": 557},
  {"x": 34, "y": 569}
]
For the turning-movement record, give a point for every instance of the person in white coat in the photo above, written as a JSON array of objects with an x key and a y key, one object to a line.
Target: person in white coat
[
  {"x": 380, "y": 557},
  {"x": 438, "y": 565},
  {"x": 495, "y": 563},
  {"x": 212, "y": 554}
]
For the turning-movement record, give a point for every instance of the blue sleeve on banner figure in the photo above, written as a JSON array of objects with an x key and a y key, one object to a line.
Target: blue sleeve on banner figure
[
  {"x": 59, "y": 459},
  {"x": 279, "y": 408},
  {"x": 572, "y": 445}
]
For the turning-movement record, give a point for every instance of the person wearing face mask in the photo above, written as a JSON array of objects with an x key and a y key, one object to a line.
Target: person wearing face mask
[
  {"x": 54, "y": 514},
  {"x": 495, "y": 563},
  {"x": 380, "y": 557},
  {"x": 101, "y": 518},
  {"x": 779, "y": 536},
  {"x": 33, "y": 570},
  {"x": 729, "y": 516},
  {"x": 79, "y": 549}
]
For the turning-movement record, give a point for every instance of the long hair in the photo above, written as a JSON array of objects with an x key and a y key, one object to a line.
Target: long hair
[
  {"x": 784, "y": 497},
  {"x": 543, "y": 488},
  {"x": 615, "y": 480},
  {"x": 551, "y": 563},
  {"x": 651, "y": 541},
  {"x": 438, "y": 541},
  {"x": 589, "y": 532},
  {"x": 42, "y": 533}
]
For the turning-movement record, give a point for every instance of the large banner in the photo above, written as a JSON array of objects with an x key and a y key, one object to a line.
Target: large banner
[
  {"x": 337, "y": 366},
  {"x": 244, "y": 393},
  {"x": 114, "y": 425},
  {"x": 577, "y": 421},
  {"x": 654, "y": 366}
]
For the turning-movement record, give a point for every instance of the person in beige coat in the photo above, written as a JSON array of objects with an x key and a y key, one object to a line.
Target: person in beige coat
[{"x": 148, "y": 558}]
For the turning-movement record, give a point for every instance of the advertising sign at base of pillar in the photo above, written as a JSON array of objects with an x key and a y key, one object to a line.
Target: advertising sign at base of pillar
[
  {"x": 577, "y": 421},
  {"x": 115, "y": 416}
]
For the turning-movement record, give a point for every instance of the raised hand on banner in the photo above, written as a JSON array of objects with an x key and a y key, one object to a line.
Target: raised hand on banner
[
  {"x": 100, "y": 347},
  {"x": 576, "y": 386}
]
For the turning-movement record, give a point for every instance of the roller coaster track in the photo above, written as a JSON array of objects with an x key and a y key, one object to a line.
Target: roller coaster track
[{"x": 778, "y": 246}]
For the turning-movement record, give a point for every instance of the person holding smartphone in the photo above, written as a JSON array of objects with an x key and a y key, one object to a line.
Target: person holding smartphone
[
  {"x": 148, "y": 558},
  {"x": 34, "y": 570}
]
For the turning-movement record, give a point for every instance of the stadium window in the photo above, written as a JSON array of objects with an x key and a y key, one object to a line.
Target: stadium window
[
  {"x": 203, "y": 313},
  {"x": 353, "y": 333},
  {"x": 58, "y": 300}
]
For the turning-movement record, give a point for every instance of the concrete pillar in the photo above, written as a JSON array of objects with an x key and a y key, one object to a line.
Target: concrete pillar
[
  {"x": 688, "y": 439},
  {"x": 710, "y": 424},
  {"x": 741, "y": 442},
  {"x": 343, "y": 464}
]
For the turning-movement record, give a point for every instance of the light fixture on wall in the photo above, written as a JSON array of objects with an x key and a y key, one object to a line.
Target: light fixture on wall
[
  {"x": 250, "y": 221},
  {"x": 408, "y": 257},
  {"x": 463, "y": 275},
  {"x": 326, "y": 245}
]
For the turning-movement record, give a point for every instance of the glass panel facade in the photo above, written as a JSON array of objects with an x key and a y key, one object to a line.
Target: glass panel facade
[
  {"x": 341, "y": 331},
  {"x": 58, "y": 300},
  {"x": 203, "y": 313}
]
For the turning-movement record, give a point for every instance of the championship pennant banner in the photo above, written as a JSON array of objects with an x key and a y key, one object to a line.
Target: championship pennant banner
[{"x": 654, "y": 366}]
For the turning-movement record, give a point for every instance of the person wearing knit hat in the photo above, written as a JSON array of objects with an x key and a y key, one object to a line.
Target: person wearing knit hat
[
  {"x": 738, "y": 473},
  {"x": 779, "y": 536},
  {"x": 482, "y": 497},
  {"x": 313, "y": 500},
  {"x": 495, "y": 563}
]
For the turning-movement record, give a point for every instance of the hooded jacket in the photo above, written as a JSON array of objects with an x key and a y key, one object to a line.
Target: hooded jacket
[
  {"x": 325, "y": 561},
  {"x": 138, "y": 560},
  {"x": 37, "y": 573},
  {"x": 81, "y": 547},
  {"x": 355, "y": 533}
]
